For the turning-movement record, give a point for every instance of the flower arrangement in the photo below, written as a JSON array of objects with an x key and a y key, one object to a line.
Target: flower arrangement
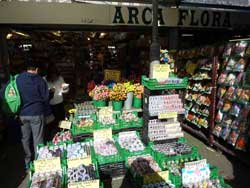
[
  {"x": 100, "y": 92},
  {"x": 129, "y": 87},
  {"x": 138, "y": 90},
  {"x": 118, "y": 93}
]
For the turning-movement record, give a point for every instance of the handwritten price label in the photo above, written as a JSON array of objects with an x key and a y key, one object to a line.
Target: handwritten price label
[
  {"x": 103, "y": 134},
  {"x": 47, "y": 165},
  {"x": 85, "y": 184},
  {"x": 73, "y": 163},
  {"x": 161, "y": 72},
  {"x": 156, "y": 177},
  {"x": 65, "y": 124},
  {"x": 112, "y": 75},
  {"x": 167, "y": 115}
]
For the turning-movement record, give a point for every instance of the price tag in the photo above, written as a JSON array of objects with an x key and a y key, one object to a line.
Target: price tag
[
  {"x": 112, "y": 75},
  {"x": 65, "y": 124},
  {"x": 161, "y": 72},
  {"x": 167, "y": 115},
  {"x": 156, "y": 177},
  {"x": 47, "y": 165},
  {"x": 85, "y": 184},
  {"x": 196, "y": 164},
  {"x": 73, "y": 163},
  {"x": 102, "y": 134}
]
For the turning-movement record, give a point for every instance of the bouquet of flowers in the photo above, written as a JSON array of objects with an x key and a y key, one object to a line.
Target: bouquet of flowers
[
  {"x": 100, "y": 92},
  {"x": 129, "y": 87},
  {"x": 118, "y": 93},
  {"x": 138, "y": 90}
]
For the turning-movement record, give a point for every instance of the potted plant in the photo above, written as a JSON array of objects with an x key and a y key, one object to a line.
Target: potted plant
[
  {"x": 137, "y": 100},
  {"x": 100, "y": 95},
  {"x": 117, "y": 95}
]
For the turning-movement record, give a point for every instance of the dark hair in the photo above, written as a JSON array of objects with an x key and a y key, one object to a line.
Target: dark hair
[
  {"x": 31, "y": 64},
  {"x": 52, "y": 73}
]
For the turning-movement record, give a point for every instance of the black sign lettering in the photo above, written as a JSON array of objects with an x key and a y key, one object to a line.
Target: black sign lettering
[
  {"x": 216, "y": 19},
  {"x": 133, "y": 13},
  {"x": 144, "y": 13},
  {"x": 205, "y": 18},
  {"x": 118, "y": 16},
  {"x": 182, "y": 16},
  {"x": 193, "y": 22},
  {"x": 227, "y": 22},
  {"x": 160, "y": 18}
]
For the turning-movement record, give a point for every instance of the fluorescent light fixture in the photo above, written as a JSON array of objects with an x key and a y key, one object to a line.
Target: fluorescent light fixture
[
  {"x": 21, "y": 33},
  {"x": 187, "y": 35},
  {"x": 57, "y": 33},
  {"x": 88, "y": 38},
  {"x": 239, "y": 39},
  {"x": 9, "y": 35},
  {"x": 111, "y": 47}
]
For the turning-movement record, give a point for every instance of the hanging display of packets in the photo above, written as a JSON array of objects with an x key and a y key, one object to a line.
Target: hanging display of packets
[
  {"x": 143, "y": 164},
  {"x": 158, "y": 130},
  {"x": 130, "y": 141},
  {"x": 48, "y": 152},
  {"x": 81, "y": 173},
  {"x": 157, "y": 185},
  {"x": 105, "y": 147},
  {"x": 164, "y": 103},
  {"x": 46, "y": 180},
  {"x": 173, "y": 148},
  {"x": 78, "y": 150}
]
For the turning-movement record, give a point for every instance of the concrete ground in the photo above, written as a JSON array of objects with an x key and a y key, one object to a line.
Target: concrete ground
[{"x": 12, "y": 174}]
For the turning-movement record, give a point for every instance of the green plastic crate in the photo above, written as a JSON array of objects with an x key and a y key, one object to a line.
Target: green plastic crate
[{"x": 153, "y": 84}]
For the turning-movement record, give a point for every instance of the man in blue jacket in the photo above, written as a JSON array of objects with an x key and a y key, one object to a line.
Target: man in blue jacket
[{"x": 35, "y": 98}]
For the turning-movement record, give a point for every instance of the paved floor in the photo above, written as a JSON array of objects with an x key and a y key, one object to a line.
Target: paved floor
[{"x": 12, "y": 174}]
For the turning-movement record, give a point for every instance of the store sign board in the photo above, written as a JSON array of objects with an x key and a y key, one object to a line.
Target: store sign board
[
  {"x": 112, "y": 75},
  {"x": 111, "y": 15},
  {"x": 46, "y": 165},
  {"x": 221, "y": 2},
  {"x": 85, "y": 184}
]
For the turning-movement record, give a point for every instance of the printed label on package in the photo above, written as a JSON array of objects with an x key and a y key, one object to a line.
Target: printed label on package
[
  {"x": 46, "y": 165},
  {"x": 196, "y": 164},
  {"x": 85, "y": 184},
  {"x": 73, "y": 163},
  {"x": 65, "y": 125}
]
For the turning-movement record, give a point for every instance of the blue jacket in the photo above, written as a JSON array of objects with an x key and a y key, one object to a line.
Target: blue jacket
[{"x": 34, "y": 94}]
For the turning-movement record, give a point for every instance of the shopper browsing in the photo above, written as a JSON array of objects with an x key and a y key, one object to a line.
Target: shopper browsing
[
  {"x": 58, "y": 87},
  {"x": 35, "y": 97}
]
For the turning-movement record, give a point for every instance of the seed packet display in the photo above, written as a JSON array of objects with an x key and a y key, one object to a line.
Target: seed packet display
[
  {"x": 241, "y": 143},
  {"x": 232, "y": 138},
  {"x": 235, "y": 110},
  {"x": 240, "y": 48},
  {"x": 222, "y": 78},
  {"x": 221, "y": 92},
  {"x": 48, "y": 152},
  {"x": 231, "y": 64},
  {"x": 228, "y": 49},
  {"x": 46, "y": 180},
  {"x": 217, "y": 130},
  {"x": 227, "y": 106},
  {"x": 81, "y": 173},
  {"x": 231, "y": 79},
  {"x": 225, "y": 132},
  {"x": 229, "y": 93},
  {"x": 220, "y": 104}
]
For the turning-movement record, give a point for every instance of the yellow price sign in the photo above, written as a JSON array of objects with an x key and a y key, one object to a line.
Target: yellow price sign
[
  {"x": 112, "y": 75},
  {"x": 161, "y": 72},
  {"x": 167, "y": 115},
  {"x": 85, "y": 184},
  {"x": 65, "y": 124},
  {"x": 156, "y": 177},
  {"x": 73, "y": 163},
  {"x": 47, "y": 165},
  {"x": 102, "y": 134}
]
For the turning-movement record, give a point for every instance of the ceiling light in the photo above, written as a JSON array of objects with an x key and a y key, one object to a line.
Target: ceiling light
[
  {"x": 9, "y": 35},
  {"x": 57, "y": 33},
  {"x": 102, "y": 35},
  {"x": 187, "y": 35},
  {"x": 20, "y": 33},
  {"x": 88, "y": 38}
]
